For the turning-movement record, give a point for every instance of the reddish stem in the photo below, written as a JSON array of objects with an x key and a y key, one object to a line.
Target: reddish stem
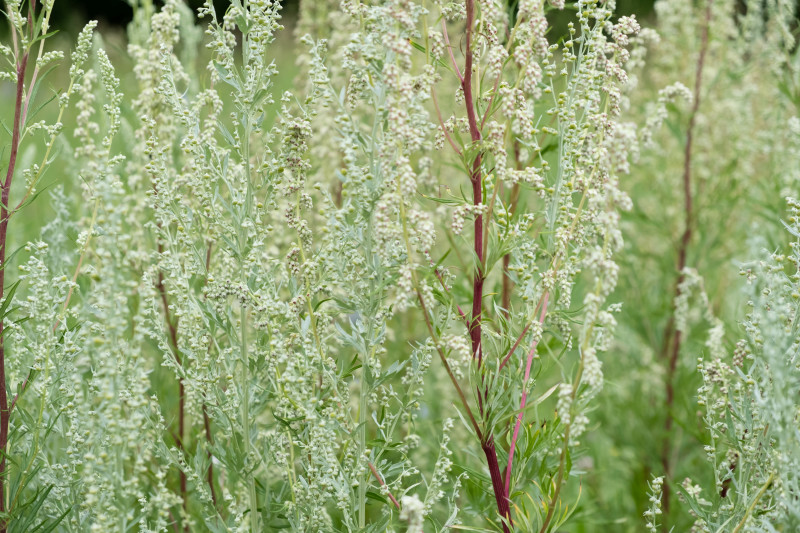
[
  {"x": 382, "y": 484},
  {"x": 497, "y": 481},
  {"x": 480, "y": 275},
  {"x": 516, "y": 345},
  {"x": 670, "y": 330},
  {"x": 450, "y": 51},
  {"x": 4, "y": 217},
  {"x": 477, "y": 191}
]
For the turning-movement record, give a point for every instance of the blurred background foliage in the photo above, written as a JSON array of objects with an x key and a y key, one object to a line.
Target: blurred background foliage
[{"x": 117, "y": 14}]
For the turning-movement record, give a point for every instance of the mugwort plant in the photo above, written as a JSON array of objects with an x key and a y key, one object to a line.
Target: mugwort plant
[{"x": 377, "y": 288}]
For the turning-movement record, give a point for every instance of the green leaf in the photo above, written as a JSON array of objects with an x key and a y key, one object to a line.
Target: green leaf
[
  {"x": 45, "y": 36},
  {"x": 11, "y": 256},
  {"x": 44, "y": 527},
  {"x": 372, "y": 495},
  {"x": 446, "y": 201},
  {"x": 225, "y": 133},
  {"x": 30, "y": 116},
  {"x": 226, "y": 76},
  {"x": 32, "y": 198},
  {"x": 4, "y": 307}
]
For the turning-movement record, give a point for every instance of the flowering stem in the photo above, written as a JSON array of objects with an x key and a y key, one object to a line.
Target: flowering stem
[
  {"x": 563, "y": 458},
  {"x": 480, "y": 275},
  {"x": 245, "y": 356},
  {"x": 477, "y": 192},
  {"x": 509, "y": 44},
  {"x": 441, "y": 123},
  {"x": 246, "y": 415},
  {"x": 576, "y": 383},
  {"x": 4, "y": 216},
  {"x": 670, "y": 332},
  {"x": 64, "y": 308},
  {"x": 210, "y": 439},
  {"x": 362, "y": 442},
  {"x": 461, "y": 314}
]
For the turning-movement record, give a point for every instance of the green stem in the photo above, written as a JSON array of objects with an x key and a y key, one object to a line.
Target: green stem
[
  {"x": 246, "y": 419},
  {"x": 753, "y": 504},
  {"x": 362, "y": 447},
  {"x": 251, "y": 482}
]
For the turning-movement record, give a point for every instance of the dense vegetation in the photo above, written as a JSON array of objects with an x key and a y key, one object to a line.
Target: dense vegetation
[{"x": 455, "y": 267}]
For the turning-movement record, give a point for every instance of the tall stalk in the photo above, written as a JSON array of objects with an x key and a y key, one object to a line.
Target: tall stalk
[
  {"x": 245, "y": 361},
  {"x": 479, "y": 274},
  {"x": 207, "y": 419},
  {"x": 21, "y": 67},
  {"x": 673, "y": 336}
]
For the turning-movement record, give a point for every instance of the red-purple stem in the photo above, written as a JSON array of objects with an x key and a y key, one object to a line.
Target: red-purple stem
[
  {"x": 450, "y": 51},
  {"x": 383, "y": 484},
  {"x": 497, "y": 481},
  {"x": 4, "y": 217},
  {"x": 477, "y": 191},
  {"x": 479, "y": 275},
  {"x": 670, "y": 331},
  {"x": 514, "y": 348}
]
